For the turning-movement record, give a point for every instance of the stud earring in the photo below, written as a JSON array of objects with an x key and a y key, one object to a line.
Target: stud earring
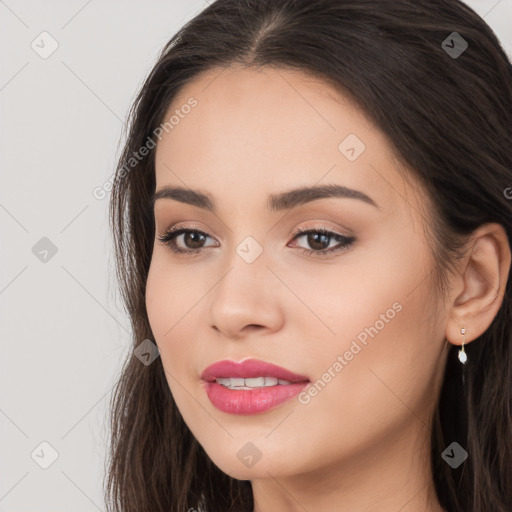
[{"x": 462, "y": 354}]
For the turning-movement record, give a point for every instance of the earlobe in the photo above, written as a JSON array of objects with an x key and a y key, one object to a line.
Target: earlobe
[{"x": 483, "y": 279}]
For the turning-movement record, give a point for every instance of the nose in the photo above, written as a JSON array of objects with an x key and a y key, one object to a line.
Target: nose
[{"x": 246, "y": 299}]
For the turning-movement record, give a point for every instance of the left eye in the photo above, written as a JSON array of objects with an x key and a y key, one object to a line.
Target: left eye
[
  {"x": 319, "y": 240},
  {"x": 193, "y": 239}
]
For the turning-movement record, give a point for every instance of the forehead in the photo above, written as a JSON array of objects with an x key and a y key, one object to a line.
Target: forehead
[{"x": 255, "y": 130}]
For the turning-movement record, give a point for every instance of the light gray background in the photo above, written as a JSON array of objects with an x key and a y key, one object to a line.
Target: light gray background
[{"x": 63, "y": 331}]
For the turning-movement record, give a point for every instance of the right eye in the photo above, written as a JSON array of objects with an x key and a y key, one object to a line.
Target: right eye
[{"x": 192, "y": 240}]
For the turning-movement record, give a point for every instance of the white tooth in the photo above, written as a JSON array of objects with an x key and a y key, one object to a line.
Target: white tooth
[
  {"x": 255, "y": 382},
  {"x": 250, "y": 383},
  {"x": 231, "y": 382}
]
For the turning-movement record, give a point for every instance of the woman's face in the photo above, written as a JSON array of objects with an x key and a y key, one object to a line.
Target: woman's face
[{"x": 356, "y": 322}]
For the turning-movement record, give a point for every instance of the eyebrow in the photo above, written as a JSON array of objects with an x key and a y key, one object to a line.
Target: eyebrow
[{"x": 276, "y": 202}]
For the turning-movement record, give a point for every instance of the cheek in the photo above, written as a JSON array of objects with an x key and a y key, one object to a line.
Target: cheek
[
  {"x": 382, "y": 354},
  {"x": 351, "y": 293},
  {"x": 171, "y": 296}
]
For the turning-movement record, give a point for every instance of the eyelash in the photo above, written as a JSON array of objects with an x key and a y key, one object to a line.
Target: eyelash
[{"x": 168, "y": 239}]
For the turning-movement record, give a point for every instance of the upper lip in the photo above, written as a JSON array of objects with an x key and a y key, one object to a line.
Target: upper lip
[{"x": 247, "y": 369}]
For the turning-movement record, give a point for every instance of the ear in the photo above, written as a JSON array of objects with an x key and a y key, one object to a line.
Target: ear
[{"x": 480, "y": 283}]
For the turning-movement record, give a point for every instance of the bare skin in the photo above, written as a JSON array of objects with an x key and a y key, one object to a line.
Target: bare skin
[{"x": 362, "y": 442}]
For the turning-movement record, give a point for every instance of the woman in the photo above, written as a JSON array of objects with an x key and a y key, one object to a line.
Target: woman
[{"x": 312, "y": 217}]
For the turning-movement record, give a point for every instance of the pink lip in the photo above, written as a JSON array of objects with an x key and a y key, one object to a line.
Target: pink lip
[
  {"x": 247, "y": 369},
  {"x": 250, "y": 401}
]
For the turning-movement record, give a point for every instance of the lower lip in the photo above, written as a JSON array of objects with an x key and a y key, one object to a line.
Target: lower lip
[{"x": 251, "y": 401}]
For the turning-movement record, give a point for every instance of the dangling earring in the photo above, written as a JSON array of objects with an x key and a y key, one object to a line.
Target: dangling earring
[{"x": 462, "y": 354}]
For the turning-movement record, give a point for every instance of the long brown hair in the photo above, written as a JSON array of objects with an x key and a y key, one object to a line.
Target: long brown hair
[{"x": 449, "y": 117}]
